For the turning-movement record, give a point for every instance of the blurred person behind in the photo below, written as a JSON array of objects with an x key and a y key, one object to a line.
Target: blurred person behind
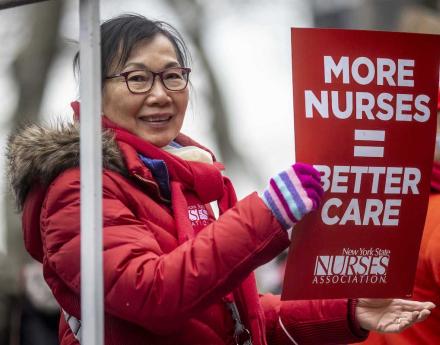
[{"x": 28, "y": 311}]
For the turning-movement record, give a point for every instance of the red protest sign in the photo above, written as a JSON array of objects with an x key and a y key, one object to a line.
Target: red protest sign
[{"x": 365, "y": 116}]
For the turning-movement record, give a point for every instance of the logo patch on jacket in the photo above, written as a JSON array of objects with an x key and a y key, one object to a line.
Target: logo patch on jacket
[{"x": 198, "y": 215}]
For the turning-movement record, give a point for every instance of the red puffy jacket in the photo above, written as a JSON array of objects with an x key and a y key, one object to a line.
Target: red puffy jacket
[{"x": 157, "y": 290}]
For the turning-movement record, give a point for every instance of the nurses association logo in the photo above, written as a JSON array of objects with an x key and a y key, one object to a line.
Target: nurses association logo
[
  {"x": 198, "y": 215},
  {"x": 353, "y": 266}
]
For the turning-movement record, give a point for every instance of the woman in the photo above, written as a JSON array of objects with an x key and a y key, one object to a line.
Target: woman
[{"x": 172, "y": 273}]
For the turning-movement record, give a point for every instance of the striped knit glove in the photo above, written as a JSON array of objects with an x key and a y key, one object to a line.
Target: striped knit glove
[{"x": 293, "y": 193}]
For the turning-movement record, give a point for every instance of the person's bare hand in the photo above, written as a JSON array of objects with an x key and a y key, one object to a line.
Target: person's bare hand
[{"x": 391, "y": 315}]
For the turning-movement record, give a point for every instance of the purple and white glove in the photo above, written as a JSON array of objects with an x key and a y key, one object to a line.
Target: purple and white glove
[{"x": 293, "y": 193}]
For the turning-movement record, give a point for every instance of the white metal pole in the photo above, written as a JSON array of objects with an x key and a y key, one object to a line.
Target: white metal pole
[{"x": 92, "y": 318}]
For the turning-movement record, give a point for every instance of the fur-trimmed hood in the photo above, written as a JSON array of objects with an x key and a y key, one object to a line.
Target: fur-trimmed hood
[{"x": 37, "y": 154}]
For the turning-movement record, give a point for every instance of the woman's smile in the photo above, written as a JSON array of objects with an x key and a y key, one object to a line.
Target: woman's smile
[{"x": 156, "y": 120}]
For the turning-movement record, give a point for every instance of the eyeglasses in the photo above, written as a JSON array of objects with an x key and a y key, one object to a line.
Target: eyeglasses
[{"x": 141, "y": 81}]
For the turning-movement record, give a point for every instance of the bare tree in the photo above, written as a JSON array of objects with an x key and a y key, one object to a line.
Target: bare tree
[
  {"x": 14, "y": 3},
  {"x": 192, "y": 14},
  {"x": 30, "y": 69}
]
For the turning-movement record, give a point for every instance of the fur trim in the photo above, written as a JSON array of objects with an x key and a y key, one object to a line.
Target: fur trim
[{"x": 38, "y": 155}]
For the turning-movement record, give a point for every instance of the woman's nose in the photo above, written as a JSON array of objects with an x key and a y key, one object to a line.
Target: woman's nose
[{"x": 158, "y": 94}]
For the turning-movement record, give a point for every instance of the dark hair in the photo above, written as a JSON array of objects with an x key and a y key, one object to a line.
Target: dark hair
[{"x": 120, "y": 35}]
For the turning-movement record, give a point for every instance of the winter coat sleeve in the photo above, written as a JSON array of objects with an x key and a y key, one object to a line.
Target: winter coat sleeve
[
  {"x": 311, "y": 321},
  {"x": 143, "y": 283}
]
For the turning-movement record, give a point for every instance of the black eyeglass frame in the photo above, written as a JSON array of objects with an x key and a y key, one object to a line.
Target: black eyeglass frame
[{"x": 187, "y": 70}]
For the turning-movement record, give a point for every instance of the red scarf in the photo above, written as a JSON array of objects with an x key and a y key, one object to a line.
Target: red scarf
[
  {"x": 435, "y": 178},
  {"x": 205, "y": 180}
]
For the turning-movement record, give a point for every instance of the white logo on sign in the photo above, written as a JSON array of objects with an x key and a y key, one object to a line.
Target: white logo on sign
[{"x": 368, "y": 266}]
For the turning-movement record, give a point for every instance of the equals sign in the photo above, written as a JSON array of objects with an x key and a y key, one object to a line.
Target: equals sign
[{"x": 368, "y": 150}]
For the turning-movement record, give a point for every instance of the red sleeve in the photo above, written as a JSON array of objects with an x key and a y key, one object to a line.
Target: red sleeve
[
  {"x": 311, "y": 322},
  {"x": 142, "y": 283}
]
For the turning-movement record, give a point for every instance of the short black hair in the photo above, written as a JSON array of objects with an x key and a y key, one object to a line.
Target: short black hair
[{"x": 119, "y": 35}]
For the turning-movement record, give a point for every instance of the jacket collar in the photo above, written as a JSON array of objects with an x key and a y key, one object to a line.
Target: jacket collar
[{"x": 39, "y": 154}]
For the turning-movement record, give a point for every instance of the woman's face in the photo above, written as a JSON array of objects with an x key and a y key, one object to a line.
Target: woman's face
[{"x": 156, "y": 116}]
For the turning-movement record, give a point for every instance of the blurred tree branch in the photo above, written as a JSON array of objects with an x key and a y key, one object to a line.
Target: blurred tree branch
[
  {"x": 420, "y": 19},
  {"x": 192, "y": 14},
  {"x": 30, "y": 69},
  {"x": 15, "y": 3},
  {"x": 32, "y": 64}
]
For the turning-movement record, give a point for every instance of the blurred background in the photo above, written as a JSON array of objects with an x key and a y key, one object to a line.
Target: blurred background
[{"x": 241, "y": 101}]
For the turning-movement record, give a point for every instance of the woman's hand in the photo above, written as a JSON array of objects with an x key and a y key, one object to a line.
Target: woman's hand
[
  {"x": 293, "y": 193},
  {"x": 390, "y": 315}
]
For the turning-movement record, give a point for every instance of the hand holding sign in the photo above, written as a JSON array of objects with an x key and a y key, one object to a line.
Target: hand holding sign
[{"x": 293, "y": 193}]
